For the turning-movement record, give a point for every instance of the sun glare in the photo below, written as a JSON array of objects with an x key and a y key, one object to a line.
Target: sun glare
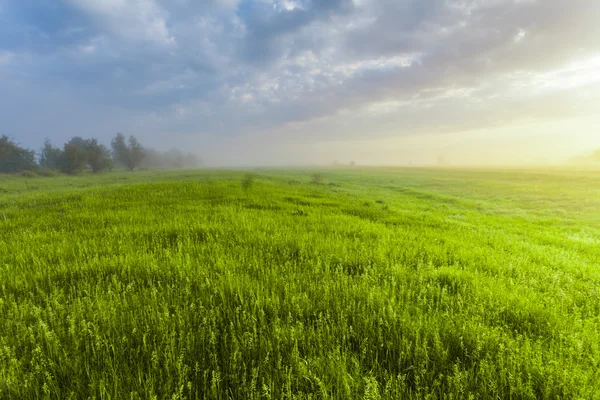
[{"x": 577, "y": 74}]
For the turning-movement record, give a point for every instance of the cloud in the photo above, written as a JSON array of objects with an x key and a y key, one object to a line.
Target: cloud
[
  {"x": 237, "y": 67},
  {"x": 137, "y": 20},
  {"x": 272, "y": 28}
]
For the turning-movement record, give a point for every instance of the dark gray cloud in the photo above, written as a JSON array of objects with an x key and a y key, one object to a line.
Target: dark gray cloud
[
  {"x": 40, "y": 26},
  {"x": 228, "y": 67},
  {"x": 270, "y": 28}
]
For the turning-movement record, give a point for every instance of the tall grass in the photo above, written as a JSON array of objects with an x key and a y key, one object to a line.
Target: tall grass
[
  {"x": 316, "y": 178},
  {"x": 389, "y": 284}
]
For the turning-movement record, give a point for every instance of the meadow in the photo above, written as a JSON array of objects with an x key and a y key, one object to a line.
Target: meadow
[{"x": 358, "y": 283}]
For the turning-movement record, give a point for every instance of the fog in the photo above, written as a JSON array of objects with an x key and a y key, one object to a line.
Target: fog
[{"x": 308, "y": 82}]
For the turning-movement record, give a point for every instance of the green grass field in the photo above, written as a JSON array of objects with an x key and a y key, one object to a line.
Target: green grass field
[{"x": 374, "y": 284}]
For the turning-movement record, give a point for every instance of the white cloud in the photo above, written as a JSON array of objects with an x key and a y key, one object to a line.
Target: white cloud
[
  {"x": 137, "y": 20},
  {"x": 327, "y": 68},
  {"x": 520, "y": 35},
  {"x": 183, "y": 81}
]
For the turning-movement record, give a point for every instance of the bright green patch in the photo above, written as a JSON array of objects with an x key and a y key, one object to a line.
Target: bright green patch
[{"x": 363, "y": 283}]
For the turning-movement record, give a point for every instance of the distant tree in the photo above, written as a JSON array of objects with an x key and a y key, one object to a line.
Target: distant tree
[
  {"x": 175, "y": 158},
  {"x": 153, "y": 159},
  {"x": 136, "y": 151},
  {"x": 192, "y": 161},
  {"x": 98, "y": 156},
  {"x": 73, "y": 158},
  {"x": 50, "y": 156},
  {"x": 172, "y": 158},
  {"x": 129, "y": 154},
  {"x": 79, "y": 141},
  {"x": 120, "y": 150},
  {"x": 14, "y": 158}
]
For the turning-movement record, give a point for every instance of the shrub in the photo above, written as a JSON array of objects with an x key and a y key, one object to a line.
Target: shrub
[
  {"x": 28, "y": 174},
  {"x": 46, "y": 172}
]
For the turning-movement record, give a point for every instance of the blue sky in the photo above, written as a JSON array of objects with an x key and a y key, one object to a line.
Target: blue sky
[{"x": 307, "y": 81}]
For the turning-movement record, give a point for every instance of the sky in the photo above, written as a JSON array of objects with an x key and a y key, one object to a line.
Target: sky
[{"x": 294, "y": 82}]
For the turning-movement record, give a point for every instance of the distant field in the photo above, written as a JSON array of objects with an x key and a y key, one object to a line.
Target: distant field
[{"x": 376, "y": 283}]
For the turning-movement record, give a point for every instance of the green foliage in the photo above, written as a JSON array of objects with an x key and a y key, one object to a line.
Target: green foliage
[
  {"x": 98, "y": 156},
  {"x": 14, "y": 158},
  {"x": 175, "y": 285},
  {"x": 46, "y": 172},
  {"x": 78, "y": 141},
  {"x": 77, "y": 155},
  {"x": 136, "y": 152},
  {"x": 73, "y": 158},
  {"x": 129, "y": 155},
  {"x": 50, "y": 156},
  {"x": 120, "y": 150}
]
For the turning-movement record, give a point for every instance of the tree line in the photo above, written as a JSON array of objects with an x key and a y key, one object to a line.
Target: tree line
[{"x": 79, "y": 154}]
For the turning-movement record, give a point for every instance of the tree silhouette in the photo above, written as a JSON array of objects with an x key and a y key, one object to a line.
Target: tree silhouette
[
  {"x": 50, "y": 156},
  {"x": 129, "y": 154},
  {"x": 14, "y": 158},
  {"x": 98, "y": 156},
  {"x": 73, "y": 158}
]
